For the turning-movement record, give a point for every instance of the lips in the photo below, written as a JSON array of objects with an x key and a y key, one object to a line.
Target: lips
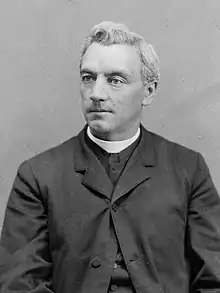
[{"x": 99, "y": 110}]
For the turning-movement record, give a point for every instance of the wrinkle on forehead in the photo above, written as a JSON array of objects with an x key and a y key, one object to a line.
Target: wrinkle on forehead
[{"x": 104, "y": 59}]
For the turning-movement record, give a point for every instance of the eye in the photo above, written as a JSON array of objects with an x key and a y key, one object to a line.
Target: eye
[
  {"x": 116, "y": 81},
  {"x": 86, "y": 78}
]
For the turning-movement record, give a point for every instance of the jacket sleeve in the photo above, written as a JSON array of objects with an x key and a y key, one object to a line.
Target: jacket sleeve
[
  {"x": 25, "y": 261},
  {"x": 203, "y": 231}
]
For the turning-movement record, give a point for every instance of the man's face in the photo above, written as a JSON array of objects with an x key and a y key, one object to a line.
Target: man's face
[{"x": 112, "y": 90}]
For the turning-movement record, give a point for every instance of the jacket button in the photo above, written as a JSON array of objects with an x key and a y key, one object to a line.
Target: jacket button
[
  {"x": 133, "y": 258},
  {"x": 115, "y": 206},
  {"x": 113, "y": 287},
  {"x": 96, "y": 262}
]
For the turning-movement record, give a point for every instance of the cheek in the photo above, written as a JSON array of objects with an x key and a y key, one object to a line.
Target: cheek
[
  {"x": 130, "y": 101},
  {"x": 84, "y": 92}
]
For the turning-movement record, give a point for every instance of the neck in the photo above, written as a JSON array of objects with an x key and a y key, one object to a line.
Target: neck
[
  {"x": 113, "y": 146},
  {"x": 121, "y": 136}
]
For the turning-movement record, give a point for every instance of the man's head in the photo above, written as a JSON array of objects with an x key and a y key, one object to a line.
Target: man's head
[{"x": 119, "y": 75}]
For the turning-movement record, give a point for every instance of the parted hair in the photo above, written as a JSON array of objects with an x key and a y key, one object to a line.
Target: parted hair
[{"x": 109, "y": 33}]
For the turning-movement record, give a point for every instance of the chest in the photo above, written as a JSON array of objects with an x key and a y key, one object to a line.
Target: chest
[{"x": 156, "y": 207}]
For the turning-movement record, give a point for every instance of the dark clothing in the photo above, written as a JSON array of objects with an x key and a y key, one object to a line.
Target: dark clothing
[
  {"x": 114, "y": 165},
  {"x": 57, "y": 234}
]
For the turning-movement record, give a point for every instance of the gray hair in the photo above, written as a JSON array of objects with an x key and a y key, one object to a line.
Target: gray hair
[{"x": 108, "y": 33}]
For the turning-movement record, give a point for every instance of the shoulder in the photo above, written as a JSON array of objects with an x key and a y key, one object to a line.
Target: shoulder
[
  {"x": 165, "y": 145},
  {"x": 52, "y": 160},
  {"x": 173, "y": 156}
]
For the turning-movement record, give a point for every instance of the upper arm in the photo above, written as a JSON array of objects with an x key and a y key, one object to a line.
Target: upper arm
[
  {"x": 25, "y": 215},
  {"x": 24, "y": 240},
  {"x": 204, "y": 229}
]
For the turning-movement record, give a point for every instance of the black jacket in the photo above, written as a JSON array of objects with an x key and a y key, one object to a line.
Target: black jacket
[{"x": 165, "y": 210}]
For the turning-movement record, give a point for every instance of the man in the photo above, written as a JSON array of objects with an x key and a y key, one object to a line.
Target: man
[{"x": 115, "y": 208}]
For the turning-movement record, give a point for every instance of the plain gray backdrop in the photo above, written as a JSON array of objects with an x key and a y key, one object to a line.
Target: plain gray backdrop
[{"x": 40, "y": 41}]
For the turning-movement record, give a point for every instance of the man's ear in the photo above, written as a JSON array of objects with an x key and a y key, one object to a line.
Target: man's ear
[{"x": 149, "y": 93}]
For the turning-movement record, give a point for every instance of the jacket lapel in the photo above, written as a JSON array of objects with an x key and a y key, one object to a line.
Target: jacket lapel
[
  {"x": 140, "y": 166},
  {"x": 93, "y": 174}
]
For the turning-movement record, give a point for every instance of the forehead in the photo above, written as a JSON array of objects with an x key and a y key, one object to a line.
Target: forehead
[{"x": 100, "y": 58}]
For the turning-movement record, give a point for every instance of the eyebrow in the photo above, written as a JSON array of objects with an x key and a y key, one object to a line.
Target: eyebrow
[
  {"x": 121, "y": 72},
  {"x": 85, "y": 70}
]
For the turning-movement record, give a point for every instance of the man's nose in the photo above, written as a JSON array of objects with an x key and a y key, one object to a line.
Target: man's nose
[{"x": 99, "y": 92}]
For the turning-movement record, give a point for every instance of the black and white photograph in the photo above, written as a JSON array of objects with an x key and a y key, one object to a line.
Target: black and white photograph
[{"x": 109, "y": 146}]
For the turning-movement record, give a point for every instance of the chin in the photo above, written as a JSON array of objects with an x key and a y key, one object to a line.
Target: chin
[{"x": 99, "y": 126}]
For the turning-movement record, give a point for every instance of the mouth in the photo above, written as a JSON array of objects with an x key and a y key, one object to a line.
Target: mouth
[{"x": 99, "y": 111}]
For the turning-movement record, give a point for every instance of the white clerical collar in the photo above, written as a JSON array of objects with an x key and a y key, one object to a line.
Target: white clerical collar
[{"x": 113, "y": 146}]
